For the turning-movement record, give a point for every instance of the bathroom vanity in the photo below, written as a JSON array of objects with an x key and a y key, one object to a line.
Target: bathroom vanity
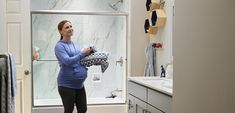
[{"x": 149, "y": 95}]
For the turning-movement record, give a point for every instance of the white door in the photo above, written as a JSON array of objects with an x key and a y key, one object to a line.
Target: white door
[{"x": 15, "y": 38}]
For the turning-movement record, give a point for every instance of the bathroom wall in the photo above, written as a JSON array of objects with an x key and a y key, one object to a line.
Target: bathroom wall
[
  {"x": 165, "y": 36},
  {"x": 138, "y": 39},
  {"x": 81, "y": 5},
  {"x": 204, "y": 65}
]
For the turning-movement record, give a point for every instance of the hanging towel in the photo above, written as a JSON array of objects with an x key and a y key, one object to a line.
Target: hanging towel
[
  {"x": 96, "y": 58},
  {"x": 13, "y": 74},
  {"x": 3, "y": 72},
  {"x": 11, "y": 84},
  {"x": 1, "y": 83},
  {"x": 150, "y": 68}
]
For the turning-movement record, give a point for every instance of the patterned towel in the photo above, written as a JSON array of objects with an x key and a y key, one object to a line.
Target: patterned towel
[{"x": 96, "y": 58}]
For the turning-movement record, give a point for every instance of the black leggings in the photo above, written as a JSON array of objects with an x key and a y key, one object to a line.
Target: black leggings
[{"x": 71, "y": 96}]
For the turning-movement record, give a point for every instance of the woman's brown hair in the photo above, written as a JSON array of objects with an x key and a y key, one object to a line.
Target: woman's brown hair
[{"x": 60, "y": 27}]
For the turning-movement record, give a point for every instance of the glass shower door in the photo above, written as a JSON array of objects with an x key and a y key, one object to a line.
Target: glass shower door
[{"x": 106, "y": 32}]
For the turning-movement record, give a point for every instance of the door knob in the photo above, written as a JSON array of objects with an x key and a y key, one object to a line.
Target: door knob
[{"x": 26, "y": 72}]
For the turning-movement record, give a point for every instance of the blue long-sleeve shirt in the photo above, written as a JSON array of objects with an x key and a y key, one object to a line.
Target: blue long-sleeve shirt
[{"x": 72, "y": 74}]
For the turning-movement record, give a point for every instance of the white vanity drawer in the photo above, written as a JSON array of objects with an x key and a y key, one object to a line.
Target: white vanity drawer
[
  {"x": 137, "y": 90},
  {"x": 153, "y": 110},
  {"x": 159, "y": 100},
  {"x": 131, "y": 104}
]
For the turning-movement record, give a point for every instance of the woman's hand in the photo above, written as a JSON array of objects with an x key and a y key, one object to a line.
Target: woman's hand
[{"x": 87, "y": 51}]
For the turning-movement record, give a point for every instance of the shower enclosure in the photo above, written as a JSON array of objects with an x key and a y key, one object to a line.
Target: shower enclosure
[{"x": 107, "y": 31}]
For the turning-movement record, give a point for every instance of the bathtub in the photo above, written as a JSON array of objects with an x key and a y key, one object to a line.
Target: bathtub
[
  {"x": 95, "y": 105},
  {"x": 90, "y": 101}
]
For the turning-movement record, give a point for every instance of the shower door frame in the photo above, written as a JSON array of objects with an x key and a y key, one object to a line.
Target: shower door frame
[{"x": 97, "y": 13}]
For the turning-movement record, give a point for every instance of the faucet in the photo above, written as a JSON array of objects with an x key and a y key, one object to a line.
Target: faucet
[
  {"x": 164, "y": 69},
  {"x": 113, "y": 95},
  {"x": 169, "y": 71},
  {"x": 163, "y": 72},
  {"x": 167, "y": 64},
  {"x": 120, "y": 61}
]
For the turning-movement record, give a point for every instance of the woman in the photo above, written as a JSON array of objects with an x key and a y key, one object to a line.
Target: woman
[{"x": 72, "y": 74}]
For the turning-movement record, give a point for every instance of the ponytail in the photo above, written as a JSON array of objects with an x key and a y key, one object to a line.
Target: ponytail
[{"x": 60, "y": 26}]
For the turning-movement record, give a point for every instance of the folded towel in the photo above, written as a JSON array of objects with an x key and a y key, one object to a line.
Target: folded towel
[{"x": 96, "y": 58}]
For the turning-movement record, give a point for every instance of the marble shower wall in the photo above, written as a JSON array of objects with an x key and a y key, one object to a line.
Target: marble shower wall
[
  {"x": 82, "y": 5},
  {"x": 107, "y": 33}
]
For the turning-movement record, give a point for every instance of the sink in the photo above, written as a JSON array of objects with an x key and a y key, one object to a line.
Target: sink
[
  {"x": 152, "y": 78},
  {"x": 167, "y": 85},
  {"x": 164, "y": 85},
  {"x": 163, "y": 82}
]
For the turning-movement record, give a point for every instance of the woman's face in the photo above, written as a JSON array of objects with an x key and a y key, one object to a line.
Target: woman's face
[{"x": 67, "y": 30}]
